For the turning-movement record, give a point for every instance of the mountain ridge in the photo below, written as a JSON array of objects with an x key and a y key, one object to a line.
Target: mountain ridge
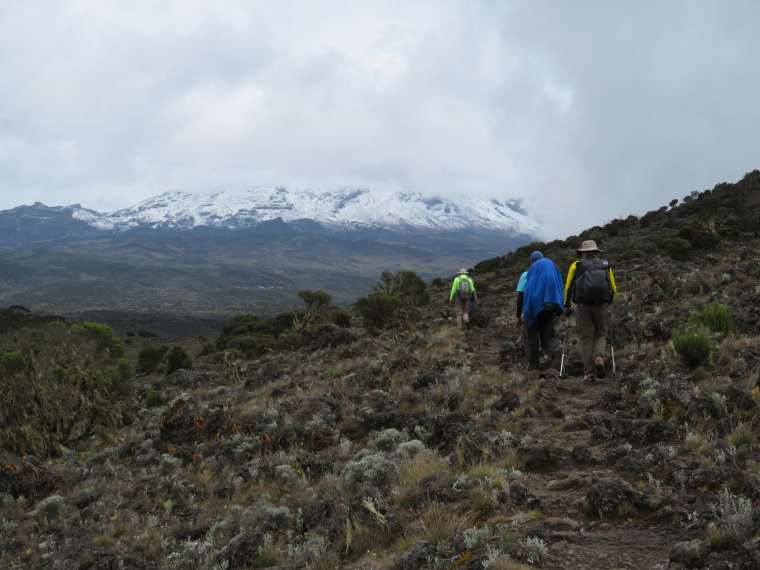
[
  {"x": 338, "y": 209},
  {"x": 207, "y": 255}
]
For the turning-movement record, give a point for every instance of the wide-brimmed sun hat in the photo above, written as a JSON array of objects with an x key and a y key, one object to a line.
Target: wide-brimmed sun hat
[
  {"x": 588, "y": 245},
  {"x": 462, "y": 271}
]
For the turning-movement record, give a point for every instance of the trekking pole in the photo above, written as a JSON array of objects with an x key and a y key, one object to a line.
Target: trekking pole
[
  {"x": 612, "y": 344},
  {"x": 564, "y": 344}
]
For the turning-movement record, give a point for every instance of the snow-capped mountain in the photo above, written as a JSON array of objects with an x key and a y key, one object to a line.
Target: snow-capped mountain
[
  {"x": 336, "y": 209},
  {"x": 181, "y": 255}
]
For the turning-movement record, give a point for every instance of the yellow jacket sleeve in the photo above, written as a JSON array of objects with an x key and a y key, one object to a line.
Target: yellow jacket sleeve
[
  {"x": 612, "y": 282},
  {"x": 569, "y": 282}
]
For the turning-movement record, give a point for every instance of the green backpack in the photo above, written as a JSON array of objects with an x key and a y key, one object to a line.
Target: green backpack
[{"x": 464, "y": 292}]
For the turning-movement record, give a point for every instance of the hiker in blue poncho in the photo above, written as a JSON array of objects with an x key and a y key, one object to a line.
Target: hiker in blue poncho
[{"x": 543, "y": 299}]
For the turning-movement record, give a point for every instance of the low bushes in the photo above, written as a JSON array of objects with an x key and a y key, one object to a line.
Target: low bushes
[
  {"x": 694, "y": 346},
  {"x": 717, "y": 318},
  {"x": 62, "y": 384}
]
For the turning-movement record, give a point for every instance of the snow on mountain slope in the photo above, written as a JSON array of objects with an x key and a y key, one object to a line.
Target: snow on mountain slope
[{"x": 349, "y": 207}]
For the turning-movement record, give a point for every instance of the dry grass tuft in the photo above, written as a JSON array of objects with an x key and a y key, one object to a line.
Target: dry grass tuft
[
  {"x": 506, "y": 563},
  {"x": 435, "y": 523},
  {"x": 742, "y": 435},
  {"x": 416, "y": 469}
]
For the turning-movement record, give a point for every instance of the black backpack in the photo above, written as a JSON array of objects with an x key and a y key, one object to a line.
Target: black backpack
[
  {"x": 464, "y": 292},
  {"x": 593, "y": 286}
]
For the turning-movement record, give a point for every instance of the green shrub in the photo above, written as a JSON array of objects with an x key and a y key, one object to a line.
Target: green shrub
[
  {"x": 649, "y": 218},
  {"x": 377, "y": 309},
  {"x": 229, "y": 355},
  {"x": 252, "y": 345},
  {"x": 315, "y": 298},
  {"x": 694, "y": 347},
  {"x": 481, "y": 267},
  {"x": 630, "y": 254},
  {"x": 395, "y": 300},
  {"x": 675, "y": 247},
  {"x": 150, "y": 357},
  {"x": 59, "y": 387},
  {"x": 407, "y": 285},
  {"x": 557, "y": 244},
  {"x": 102, "y": 336},
  {"x": 728, "y": 227},
  {"x": 722, "y": 541},
  {"x": 613, "y": 228},
  {"x": 701, "y": 236},
  {"x": 153, "y": 398},
  {"x": 11, "y": 363},
  {"x": 177, "y": 359},
  {"x": 242, "y": 324},
  {"x": 341, "y": 318},
  {"x": 288, "y": 340},
  {"x": 754, "y": 223},
  {"x": 254, "y": 335},
  {"x": 125, "y": 369},
  {"x": 716, "y": 317},
  {"x": 481, "y": 286}
]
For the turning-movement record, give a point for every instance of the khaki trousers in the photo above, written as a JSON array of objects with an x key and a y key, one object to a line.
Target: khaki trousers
[
  {"x": 462, "y": 309},
  {"x": 592, "y": 331}
]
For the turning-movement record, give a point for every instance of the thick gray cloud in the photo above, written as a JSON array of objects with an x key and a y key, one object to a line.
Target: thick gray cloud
[{"x": 588, "y": 110}]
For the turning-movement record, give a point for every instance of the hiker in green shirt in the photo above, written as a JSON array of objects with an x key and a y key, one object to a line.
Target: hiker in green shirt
[{"x": 462, "y": 292}]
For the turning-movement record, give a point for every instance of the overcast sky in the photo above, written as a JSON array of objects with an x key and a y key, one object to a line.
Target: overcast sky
[{"x": 588, "y": 110}]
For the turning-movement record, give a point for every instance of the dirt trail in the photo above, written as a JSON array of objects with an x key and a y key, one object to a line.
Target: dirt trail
[
  {"x": 559, "y": 485},
  {"x": 598, "y": 543}
]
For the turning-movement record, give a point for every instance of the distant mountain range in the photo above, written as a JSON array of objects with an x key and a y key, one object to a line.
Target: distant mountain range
[
  {"x": 213, "y": 255},
  {"x": 334, "y": 210}
]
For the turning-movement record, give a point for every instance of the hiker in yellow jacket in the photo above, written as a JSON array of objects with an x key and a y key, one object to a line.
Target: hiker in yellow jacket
[
  {"x": 462, "y": 292},
  {"x": 591, "y": 286}
]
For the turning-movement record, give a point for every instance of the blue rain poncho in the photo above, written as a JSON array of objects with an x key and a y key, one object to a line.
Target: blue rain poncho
[{"x": 544, "y": 286}]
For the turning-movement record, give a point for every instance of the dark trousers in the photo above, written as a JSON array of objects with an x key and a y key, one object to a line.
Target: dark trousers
[{"x": 541, "y": 332}]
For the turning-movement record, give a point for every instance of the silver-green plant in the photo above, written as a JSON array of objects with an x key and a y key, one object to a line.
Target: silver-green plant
[{"x": 734, "y": 516}]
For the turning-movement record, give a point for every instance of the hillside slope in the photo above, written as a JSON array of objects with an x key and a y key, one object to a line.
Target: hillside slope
[{"x": 424, "y": 447}]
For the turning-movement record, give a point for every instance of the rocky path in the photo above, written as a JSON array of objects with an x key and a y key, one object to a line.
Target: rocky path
[
  {"x": 566, "y": 462},
  {"x": 577, "y": 540}
]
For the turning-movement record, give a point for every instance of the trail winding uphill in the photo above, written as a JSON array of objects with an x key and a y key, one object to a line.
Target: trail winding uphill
[{"x": 605, "y": 484}]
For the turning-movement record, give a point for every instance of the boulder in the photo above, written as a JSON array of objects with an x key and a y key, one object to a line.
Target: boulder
[
  {"x": 607, "y": 495},
  {"x": 690, "y": 554},
  {"x": 416, "y": 557}
]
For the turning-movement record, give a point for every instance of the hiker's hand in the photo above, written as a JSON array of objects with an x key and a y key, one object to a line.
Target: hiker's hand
[
  {"x": 451, "y": 301},
  {"x": 518, "y": 323},
  {"x": 568, "y": 311}
]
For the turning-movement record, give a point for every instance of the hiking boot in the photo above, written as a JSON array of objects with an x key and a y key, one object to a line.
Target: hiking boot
[
  {"x": 599, "y": 366},
  {"x": 589, "y": 377}
]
